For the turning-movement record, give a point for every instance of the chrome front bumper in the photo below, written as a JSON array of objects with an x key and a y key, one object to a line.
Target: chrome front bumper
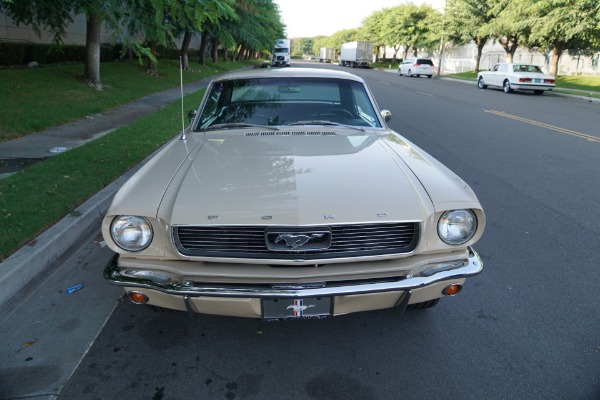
[{"x": 181, "y": 287}]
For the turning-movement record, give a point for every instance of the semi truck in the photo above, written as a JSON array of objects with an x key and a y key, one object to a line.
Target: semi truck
[
  {"x": 356, "y": 54},
  {"x": 281, "y": 53},
  {"x": 326, "y": 54}
]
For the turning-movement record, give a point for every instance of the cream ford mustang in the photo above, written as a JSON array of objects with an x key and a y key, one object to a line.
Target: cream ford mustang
[{"x": 288, "y": 197}]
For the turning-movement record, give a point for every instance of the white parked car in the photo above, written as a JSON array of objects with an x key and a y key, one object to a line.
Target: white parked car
[
  {"x": 511, "y": 77},
  {"x": 289, "y": 197},
  {"x": 416, "y": 67}
]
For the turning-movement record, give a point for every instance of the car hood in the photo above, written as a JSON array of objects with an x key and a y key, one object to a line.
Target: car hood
[{"x": 293, "y": 178}]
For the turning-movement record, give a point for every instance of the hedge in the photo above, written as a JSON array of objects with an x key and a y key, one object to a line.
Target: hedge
[{"x": 17, "y": 54}]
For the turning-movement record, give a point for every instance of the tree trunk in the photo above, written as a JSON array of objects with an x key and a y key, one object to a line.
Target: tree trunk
[
  {"x": 92, "y": 45},
  {"x": 510, "y": 44},
  {"x": 214, "y": 53},
  {"x": 202, "y": 50},
  {"x": 396, "y": 50},
  {"x": 225, "y": 54},
  {"x": 481, "y": 41},
  {"x": 152, "y": 66},
  {"x": 557, "y": 50},
  {"x": 185, "y": 46}
]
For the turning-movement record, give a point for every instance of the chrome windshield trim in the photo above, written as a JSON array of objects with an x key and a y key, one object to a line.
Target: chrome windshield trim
[{"x": 472, "y": 267}]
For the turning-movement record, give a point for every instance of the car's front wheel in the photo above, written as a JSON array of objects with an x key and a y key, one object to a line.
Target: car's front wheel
[
  {"x": 506, "y": 87},
  {"x": 480, "y": 83}
]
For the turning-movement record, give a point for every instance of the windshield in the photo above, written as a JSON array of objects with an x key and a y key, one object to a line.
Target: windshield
[{"x": 288, "y": 101}]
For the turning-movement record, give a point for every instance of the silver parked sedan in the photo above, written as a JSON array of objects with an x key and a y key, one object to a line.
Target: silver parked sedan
[{"x": 289, "y": 197}]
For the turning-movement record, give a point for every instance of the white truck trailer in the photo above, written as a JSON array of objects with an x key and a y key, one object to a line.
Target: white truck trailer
[
  {"x": 281, "y": 53},
  {"x": 356, "y": 54},
  {"x": 326, "y": 54}
]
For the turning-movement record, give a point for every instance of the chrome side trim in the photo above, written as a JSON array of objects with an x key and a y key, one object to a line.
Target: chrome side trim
[{"x": 112, "y": 273}]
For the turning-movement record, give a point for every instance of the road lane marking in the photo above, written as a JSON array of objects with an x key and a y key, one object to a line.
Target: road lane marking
[
  {"x": 385, "y": 83},
  {"x": 425, "y": 94},
  {"x": 580, "y": 135}
]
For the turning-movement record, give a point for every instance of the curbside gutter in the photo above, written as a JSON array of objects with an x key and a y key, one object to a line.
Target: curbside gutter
[{"x": 34, "y": 261}]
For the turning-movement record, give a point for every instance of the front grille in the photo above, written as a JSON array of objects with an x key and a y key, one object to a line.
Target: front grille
[{"x": 347, "y": 241}]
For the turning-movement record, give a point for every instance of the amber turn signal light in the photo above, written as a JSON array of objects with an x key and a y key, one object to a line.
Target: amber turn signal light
[
  {"x": 137, "y": 297},
  {"x": 452, "y": 290}
]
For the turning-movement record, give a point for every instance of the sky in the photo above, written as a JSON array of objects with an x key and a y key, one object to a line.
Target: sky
[{"x": 310, "y": 18}]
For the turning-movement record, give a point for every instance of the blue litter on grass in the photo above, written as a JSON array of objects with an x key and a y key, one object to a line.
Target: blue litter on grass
[{"x": 74, "y": 289}]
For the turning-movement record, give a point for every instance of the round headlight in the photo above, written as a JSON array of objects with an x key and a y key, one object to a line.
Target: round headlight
[
  {"x": 131, "y": 233},
  {"x": 457, "y": 226}
]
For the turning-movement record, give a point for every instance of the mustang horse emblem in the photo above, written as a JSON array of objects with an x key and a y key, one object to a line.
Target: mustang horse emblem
[
  {"x": 297, "y": 241},
  {"x": 298, "y": 307}
]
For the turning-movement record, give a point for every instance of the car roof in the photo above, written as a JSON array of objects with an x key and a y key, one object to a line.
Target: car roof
[{"x": 289, "y": 73}]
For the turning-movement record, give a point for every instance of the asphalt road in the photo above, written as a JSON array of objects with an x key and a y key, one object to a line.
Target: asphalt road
[{"x": 528, "y": 327}]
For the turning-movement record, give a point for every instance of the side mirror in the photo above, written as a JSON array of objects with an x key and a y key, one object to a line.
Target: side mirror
[
  {"x": 191, "y": 115},
  {"x": 386, "y": 114}
]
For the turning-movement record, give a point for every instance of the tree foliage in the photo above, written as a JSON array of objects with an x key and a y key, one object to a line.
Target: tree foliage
[
  {"x": 242, "y": 25},
  {"x": 559, "y": 25},
  {"x": 304, "y": 45},
  {"x": 464, "y": 23},
  {"x": 405, "y": 26}
]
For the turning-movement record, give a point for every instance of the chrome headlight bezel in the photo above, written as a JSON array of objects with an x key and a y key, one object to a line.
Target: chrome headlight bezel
[
  {"x": 457, "y": 227},
  {"x": 131, "y": 232}
]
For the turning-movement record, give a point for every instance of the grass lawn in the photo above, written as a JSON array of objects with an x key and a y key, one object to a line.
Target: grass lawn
[{"x": 35, "y": 99}]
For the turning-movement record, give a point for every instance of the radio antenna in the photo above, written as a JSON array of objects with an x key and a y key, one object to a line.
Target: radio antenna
[{"x": 183, "y": 137}]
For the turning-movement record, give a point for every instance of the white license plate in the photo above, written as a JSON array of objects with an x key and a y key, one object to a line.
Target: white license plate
[
  {"x": 537, "y": 81},
  {"x": 315, "y": 307}
]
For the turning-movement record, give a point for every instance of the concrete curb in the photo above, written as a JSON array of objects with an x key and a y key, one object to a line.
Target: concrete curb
[
  {"x": 24, "y": 269},
  {"x": 35, "y": 260}
]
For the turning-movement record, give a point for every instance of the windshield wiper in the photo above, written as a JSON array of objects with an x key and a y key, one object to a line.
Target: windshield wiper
[
  {"x": 324, "y": 122},
  {"x": 239, "y": 125}
]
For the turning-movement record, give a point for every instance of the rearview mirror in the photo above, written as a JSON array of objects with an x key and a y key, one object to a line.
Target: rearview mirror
[
  {"x": 386, "y": 114},
  {"x": 191, "y": 115}
]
